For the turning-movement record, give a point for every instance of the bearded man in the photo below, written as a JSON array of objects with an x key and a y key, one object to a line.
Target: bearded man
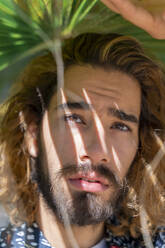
[{"x": 76, "y": 164}]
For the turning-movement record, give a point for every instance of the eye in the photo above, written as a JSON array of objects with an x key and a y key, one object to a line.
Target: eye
[
  {"x": 121, "y": 126},
  {"x": 74, "y": 118}
]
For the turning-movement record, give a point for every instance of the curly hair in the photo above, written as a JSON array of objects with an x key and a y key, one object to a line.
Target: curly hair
[{"x": 19, "y": 193}]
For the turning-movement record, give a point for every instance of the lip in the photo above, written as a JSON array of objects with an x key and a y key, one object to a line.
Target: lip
[{"x": 90, "y": 182}]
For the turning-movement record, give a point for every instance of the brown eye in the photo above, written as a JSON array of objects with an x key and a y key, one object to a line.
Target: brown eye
[
  {"x": 74, "y": 118},
  {"x": 121, "y": 127}
]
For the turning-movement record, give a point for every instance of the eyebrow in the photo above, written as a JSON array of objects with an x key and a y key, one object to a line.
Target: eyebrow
[
  {"x": 75, "y": 105},
  {"x": 120, "y": 114}
]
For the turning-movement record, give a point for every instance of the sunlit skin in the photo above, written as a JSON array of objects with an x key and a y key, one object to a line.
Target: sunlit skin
[
  {"x": 105, "y": 92},
  {"x": 152, "y": 20},
  {"x": 98, "y": 123}
]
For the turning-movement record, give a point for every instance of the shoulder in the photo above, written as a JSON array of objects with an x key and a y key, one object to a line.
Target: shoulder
[
  {"x": 12, "y": 236},
  {"x": 159, "y": 238},
  {"x": 130, "y": 242},
  {"x": 5, "y": 236}
]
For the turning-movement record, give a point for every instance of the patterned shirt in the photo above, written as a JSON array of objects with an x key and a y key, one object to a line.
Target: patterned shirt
[{"x": 31, "y": 237}]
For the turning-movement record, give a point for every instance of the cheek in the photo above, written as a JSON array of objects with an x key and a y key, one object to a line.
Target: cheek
[
  {"x": 67, "y": 143},
  {"x": 125, "y": 150}
]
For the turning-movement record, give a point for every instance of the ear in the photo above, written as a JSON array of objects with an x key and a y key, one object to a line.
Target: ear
[{"x": 31, "y": 139}]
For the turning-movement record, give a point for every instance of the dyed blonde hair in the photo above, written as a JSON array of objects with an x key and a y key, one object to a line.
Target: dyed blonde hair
[{"x": 36, "y": 85}]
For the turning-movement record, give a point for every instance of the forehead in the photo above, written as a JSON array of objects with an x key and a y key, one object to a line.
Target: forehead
[{"x": 104, "y": 87}]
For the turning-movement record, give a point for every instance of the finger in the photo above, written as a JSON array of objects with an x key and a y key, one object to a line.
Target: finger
[
  {"x": 110, "y": 5},
  {"x": 153, "y": 24},
  {"x": 158, "y": 30},
  {"x": 135, "y": 14},
  {"x": 163, "y": 15}
]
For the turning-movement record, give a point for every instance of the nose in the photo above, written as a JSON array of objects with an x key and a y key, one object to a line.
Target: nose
[{"x": 95, "y": 154}]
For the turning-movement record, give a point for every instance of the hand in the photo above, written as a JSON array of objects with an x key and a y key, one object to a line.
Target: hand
[{"x": 153, "y": 23}]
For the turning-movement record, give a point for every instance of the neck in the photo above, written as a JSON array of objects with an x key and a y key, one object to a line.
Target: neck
[{"x": 67, "y": 237}]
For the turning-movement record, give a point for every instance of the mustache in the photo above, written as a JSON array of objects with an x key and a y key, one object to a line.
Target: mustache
[{"x": 100, "y": 169}]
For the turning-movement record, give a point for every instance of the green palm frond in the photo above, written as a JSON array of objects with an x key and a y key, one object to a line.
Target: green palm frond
[
  {"x": 28, "y": 27},
  {"x": 16, "y": 36},
  {"x": 34, "y": 25}
]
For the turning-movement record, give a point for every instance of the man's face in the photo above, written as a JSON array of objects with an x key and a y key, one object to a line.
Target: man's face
[{"x": 88, "y": 141}]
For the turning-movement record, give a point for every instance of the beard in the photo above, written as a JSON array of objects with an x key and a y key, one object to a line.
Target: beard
[{"x": 78, "y": 208}]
